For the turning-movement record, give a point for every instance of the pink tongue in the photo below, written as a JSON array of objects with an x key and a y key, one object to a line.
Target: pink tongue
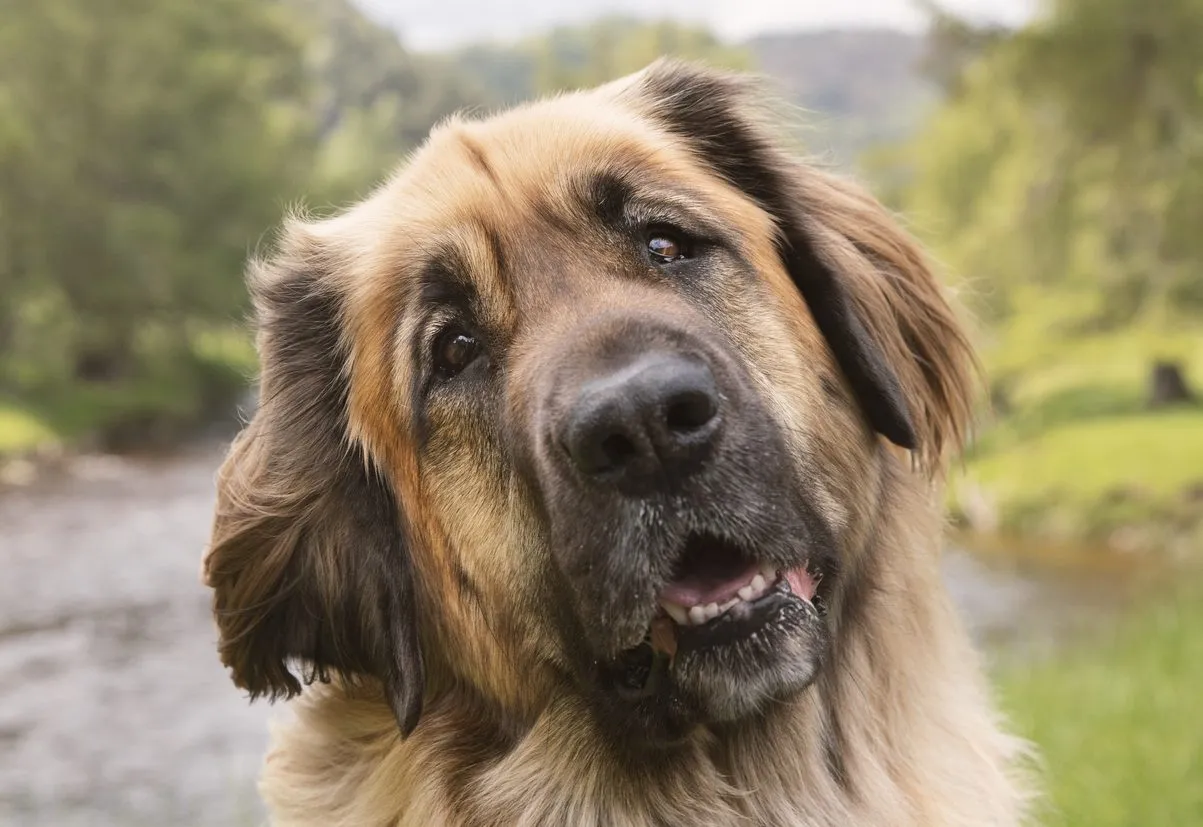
[
  {"x": 801, "y": 583},
  {"x": 694, "y": 590}
]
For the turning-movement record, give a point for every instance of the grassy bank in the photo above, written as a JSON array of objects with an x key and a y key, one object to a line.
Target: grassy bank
[
  {"x": 1118, "y": 720},
  {"x": 1073, "y": 452},
  {"x": 152, "y": 409}
]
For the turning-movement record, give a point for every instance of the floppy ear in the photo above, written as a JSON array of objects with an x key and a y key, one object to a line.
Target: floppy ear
[
  {"x": 872, "y": 295},
  {"x": 307, "y": 558}
]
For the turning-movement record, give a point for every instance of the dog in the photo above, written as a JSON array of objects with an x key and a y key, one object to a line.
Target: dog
[{"x": 595, "y": 481}]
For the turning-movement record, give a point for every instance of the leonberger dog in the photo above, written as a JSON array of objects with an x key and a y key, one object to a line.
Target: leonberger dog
[{"x": 595, "y": 481}]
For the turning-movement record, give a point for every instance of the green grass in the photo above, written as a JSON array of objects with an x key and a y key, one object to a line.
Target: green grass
[
  {"x": 1078, "y": 455},
  {"x": 21, "y": 430},
  {"x": 1119, "y": 720}
]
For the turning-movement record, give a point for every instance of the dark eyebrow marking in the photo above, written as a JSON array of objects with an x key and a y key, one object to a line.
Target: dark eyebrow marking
[
  {"x": 444, "y": 282},
  {"x": 617, "y": 202},
  {"x": 496, "y": 250},
  {"x": 607, "y": 196}
]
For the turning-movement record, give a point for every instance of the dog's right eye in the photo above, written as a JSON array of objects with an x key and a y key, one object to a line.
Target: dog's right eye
[
  {"x": 454, "y": 350},
  {"x": 666, "y": 246}
]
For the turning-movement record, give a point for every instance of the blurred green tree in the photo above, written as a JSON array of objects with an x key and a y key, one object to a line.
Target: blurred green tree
[
  {"x": 1070, "y": 156},
  {"x": 375, "y": 100},
  {"x": 144, "y": 146}
]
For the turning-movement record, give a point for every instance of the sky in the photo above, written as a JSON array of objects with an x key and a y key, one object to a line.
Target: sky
[{"x": 438, "y": 24}]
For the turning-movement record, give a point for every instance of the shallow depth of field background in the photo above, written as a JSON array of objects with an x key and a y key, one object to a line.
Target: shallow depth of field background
[{"x": 1049, "y": 153}]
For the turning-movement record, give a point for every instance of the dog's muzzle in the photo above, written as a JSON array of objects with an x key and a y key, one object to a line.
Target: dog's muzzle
[{"x": 687, "y": 553}]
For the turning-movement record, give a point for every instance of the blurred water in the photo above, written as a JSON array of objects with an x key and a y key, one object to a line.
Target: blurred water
[{"x": 114, "y": 709}]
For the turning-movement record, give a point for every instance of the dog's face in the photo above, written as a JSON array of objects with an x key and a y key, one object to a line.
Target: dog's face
[{"x": 594, "y": 396}]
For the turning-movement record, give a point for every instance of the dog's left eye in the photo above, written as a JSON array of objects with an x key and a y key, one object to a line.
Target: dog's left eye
[
  {"x": 665, "y": 247},
  {"x": 454, "y": 350}
]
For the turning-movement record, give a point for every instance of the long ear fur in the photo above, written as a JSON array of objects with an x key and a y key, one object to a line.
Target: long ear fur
[
  {"x": 871, "y": 293},
  {"x": 307, "y": 559}
]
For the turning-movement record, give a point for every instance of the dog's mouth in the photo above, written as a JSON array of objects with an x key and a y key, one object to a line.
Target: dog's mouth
[
  {"x": 722, "y": 610},
  {"x": 720, "y": 593}
]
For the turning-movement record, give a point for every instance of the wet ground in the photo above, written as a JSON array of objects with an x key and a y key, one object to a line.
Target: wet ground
[{"x": 114, "y": 709}]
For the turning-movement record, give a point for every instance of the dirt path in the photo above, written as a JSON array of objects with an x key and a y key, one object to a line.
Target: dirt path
[{"x": 114, "y": 709}]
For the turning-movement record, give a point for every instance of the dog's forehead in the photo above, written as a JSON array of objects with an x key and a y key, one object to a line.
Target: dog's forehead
[
  {"x": 507, "y": 197},
  {"x": 517, "y": 185},
  {"x": 520, "y": 171},
  {"x": 528, "y": 150}
]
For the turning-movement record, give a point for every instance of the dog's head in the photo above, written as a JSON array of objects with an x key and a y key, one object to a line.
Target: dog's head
[{"x": 600, "y": 395}]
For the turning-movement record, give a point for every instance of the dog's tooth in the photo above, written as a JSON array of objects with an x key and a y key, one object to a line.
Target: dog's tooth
[
  {"x": 769, "y": 571},
  {"x": 728, "y": 605},
  {"x": 676, "y": 611},
  {"x": 697, "y": 615},
  {"x": 747, "y": 593},
  {"x": 711, "y": 611},
  {"x": 758, "y": 584}
]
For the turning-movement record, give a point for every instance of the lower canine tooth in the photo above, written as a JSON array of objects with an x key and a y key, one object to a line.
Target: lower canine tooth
[
  {"x": 678, "y": 613},
  {"x": 697, "y": 615}
]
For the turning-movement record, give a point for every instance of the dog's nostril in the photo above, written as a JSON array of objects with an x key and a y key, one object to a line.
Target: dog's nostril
[
  {"x": 618, "y": 450},
  {"x": 688, "y": 411}
]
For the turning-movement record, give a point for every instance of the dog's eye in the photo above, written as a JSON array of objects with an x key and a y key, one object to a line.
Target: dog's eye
[
  {"x": 665, "y": 247},
  {"x": 454, "y": 350}
]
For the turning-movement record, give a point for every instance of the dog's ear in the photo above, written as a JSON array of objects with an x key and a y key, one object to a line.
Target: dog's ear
[
  {"x": 307, "y": 557},
  {"x": 872, "y": 295}
]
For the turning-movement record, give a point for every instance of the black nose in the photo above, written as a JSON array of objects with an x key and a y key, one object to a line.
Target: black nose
[{"x": 654, "y": 418}]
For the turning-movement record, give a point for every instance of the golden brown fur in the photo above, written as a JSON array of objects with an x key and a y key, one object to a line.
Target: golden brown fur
[{"x": 365, "y": 541}]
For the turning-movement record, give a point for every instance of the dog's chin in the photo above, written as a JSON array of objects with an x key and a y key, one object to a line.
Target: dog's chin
[
  {"x": 727, "y": 662},
  {"x": 749, "y": 656}
]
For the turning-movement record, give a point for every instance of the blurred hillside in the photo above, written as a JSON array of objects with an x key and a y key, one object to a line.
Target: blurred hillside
[{"x": 862, "y": 87}]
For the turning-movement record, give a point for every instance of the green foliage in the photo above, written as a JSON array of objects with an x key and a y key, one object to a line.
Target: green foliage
[
  {"x": 573, "y": 58},
  {"x": 1072, "y": 153},
  {"x": 21, "y": 430},
  {"x": 155, "y": 407},
  {"x": 144, "y": 147},
  {"x": 1076, "y": 453},
  {"x": 1117, "y": 720},
  {"x": 1061, "y": 180},
  {"x": 375, "y": 100}
]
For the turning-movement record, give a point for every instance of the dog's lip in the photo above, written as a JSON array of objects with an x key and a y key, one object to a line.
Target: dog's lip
[
  {"x": 799, "y": 581},
  {"x": 740, "y": 619},
  {"x": 745, "y": 620}
]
